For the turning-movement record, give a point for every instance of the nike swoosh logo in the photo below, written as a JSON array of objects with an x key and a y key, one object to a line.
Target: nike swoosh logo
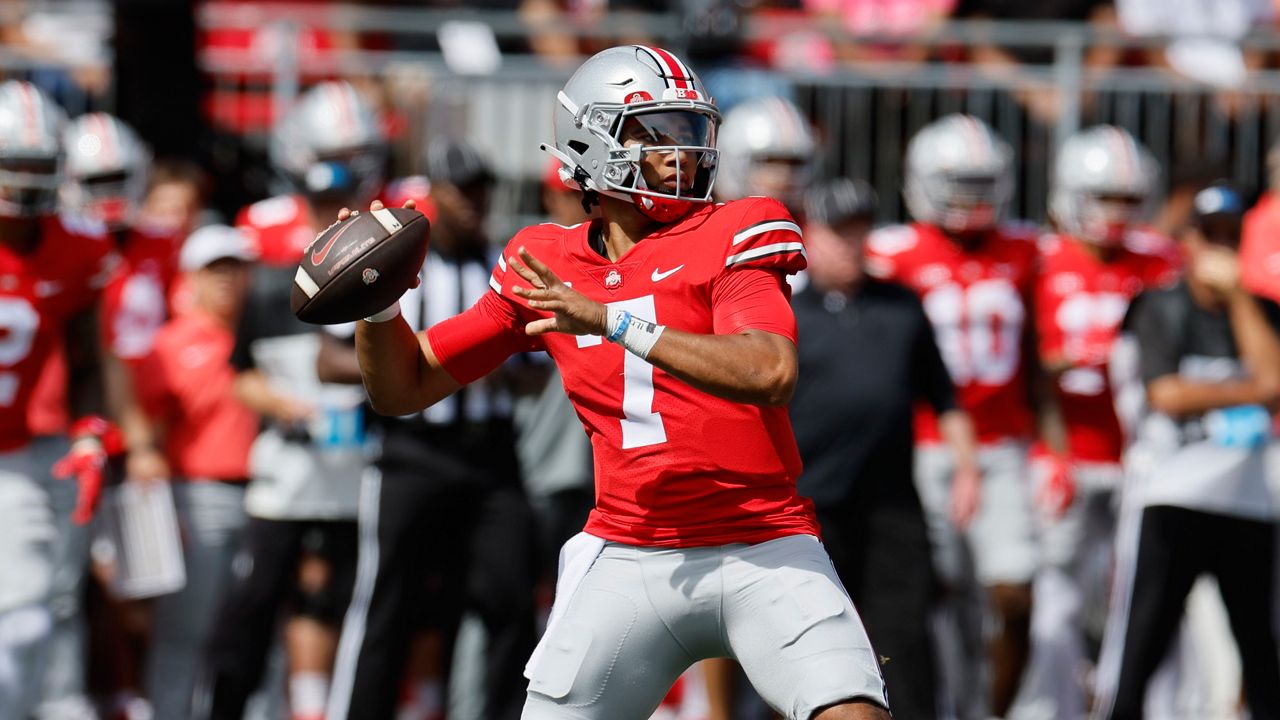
[
  {"x": 664, "y": 275},
  {"x": 318, "y": 256}
]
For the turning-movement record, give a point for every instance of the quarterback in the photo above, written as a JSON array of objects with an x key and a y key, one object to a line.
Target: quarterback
[{"x": 669, "y": 320}]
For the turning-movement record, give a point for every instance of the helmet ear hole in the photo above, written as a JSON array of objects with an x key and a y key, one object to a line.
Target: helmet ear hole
[{"x": 579, "y": 147}]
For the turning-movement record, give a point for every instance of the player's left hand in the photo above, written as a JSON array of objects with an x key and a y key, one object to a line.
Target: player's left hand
[
  {"x": 146, "y": 465},
  {"x": 572, "y": 312},
  {"x": 1056, "y": 488}
]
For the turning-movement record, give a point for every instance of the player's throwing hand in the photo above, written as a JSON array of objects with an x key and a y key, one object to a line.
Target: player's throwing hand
[{"x": 573, "y": 312}]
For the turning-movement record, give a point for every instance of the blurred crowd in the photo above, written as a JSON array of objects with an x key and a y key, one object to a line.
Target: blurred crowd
[{"x": 200, "y": 516}]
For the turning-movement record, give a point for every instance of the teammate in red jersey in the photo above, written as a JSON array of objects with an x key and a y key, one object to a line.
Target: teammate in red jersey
[
  {"x": 975, "y": 278},
  {"x": 52, "y": 269},
  {"x": 1103, "y": 181},
  {"x": 668, "y": 318}
]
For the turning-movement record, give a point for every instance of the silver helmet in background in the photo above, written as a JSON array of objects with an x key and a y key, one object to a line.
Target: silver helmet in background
[
  {"x": 331, "y": 146},
  {"x": 31, "y": 154},
  {"x": 767, "y": 147},
  {"x": 959, "y": 174},
  {"x": 106, "y": 169},
  {"x": 1104, "y": 182}
]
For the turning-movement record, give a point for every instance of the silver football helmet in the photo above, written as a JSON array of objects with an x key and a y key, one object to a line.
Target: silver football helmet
[
  {"x": 31, "y": 157},
  {"x": 767, "y": 147},
  {"x": 959, "y": 174},
  {"x": 625, "y": 104},
  {"x": 106, "y": 168},
  {"x": 1103, "y": 182},
  {"x": 330, "y": 145}
]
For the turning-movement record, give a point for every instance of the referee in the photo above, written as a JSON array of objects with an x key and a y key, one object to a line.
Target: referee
[
  {"x": 867, "y": 355},
  {"x": 444, "y": 523},
  {"x": 1204, "y": 358}
]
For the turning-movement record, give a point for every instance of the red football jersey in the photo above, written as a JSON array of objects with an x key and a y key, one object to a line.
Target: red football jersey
[
  {"x": 1080, "y": 303},
  {"x": 40, "y": 292},
  {"x": 281, "y": 228},
  {"x": 977, "y": 301},
  {"x": 674, "y": 466},
  {"x": 138, "y": 299}
]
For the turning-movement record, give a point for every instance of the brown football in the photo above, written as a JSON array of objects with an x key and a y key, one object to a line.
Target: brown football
[{"x": 359, "y": 266}]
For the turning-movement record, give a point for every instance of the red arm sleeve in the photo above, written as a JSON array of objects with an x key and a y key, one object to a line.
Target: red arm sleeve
[
  {"x": 754, "y": 299},
  {"x": 472, "y": 344}
]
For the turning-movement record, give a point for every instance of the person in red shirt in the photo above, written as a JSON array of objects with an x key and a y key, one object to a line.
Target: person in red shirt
[
  {"x": 186, "y": 383},
  {"x": 1260, "y": 243},
  {"x": 1089, "y": 272},
  {"x": 975, "y": 277},
  {"x": 52, "y": 269},
  {"x": 669, "y": 321}
]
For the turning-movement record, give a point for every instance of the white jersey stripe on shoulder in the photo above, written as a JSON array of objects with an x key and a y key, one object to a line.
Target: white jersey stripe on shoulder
[
  {"x": 764, "y": 227},
  {"x": 765, "y": 251}
]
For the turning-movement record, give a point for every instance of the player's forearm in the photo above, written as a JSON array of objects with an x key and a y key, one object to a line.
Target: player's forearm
[
  {"x": 337, "y": 361},
  {"x": 1259, "y": 346},
  {"x": 754, "y": 367},
  {"x": 957, "y": 431},
  {"x": 400, "y": 371},
  {"x": 123, "y": 406},
  {"x": 1178, "y": 397}
]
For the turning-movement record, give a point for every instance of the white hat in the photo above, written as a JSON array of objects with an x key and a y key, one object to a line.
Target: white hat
[{"x": 214, "y": 242}]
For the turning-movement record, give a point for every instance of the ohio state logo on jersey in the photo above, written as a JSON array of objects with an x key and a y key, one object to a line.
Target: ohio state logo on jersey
[{"x": 613, "y": 280}]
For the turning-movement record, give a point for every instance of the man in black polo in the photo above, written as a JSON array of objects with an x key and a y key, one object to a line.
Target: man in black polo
[
  {"x": 867, "y": 355},
  {"x": 1197, "y": 373},
  {"x": 444, "y": 522}
]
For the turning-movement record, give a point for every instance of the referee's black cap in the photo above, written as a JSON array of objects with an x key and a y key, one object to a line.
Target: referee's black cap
[
  {"x": 455, "y": 162},
  {"x": 841, "y": 200}
]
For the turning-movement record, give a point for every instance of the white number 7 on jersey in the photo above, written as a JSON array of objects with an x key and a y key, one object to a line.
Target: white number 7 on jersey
[{"x": 641, "y": 426}]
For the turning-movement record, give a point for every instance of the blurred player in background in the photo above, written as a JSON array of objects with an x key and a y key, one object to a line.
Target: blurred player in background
[
  {"x": 867, "y": 356},
  {"x": 976, "y": 277},
  {"x": 52, "y": 270},
  {"x": 1260, "y": 243},
  {"x": 299, "y": 547},
  {"x": 768, "y": 149},
  {"x": 1103, "y": 186},
  {"x": 1198, "y": 373},
  {"x": 698, "y": 546}
]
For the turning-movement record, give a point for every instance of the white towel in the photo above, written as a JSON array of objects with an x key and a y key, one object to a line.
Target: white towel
[{"x": 577, "y": 556}]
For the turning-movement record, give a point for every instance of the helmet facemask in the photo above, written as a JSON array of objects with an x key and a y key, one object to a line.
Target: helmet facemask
[
  {"x": 29, "y": 186},
  {"x": 960, "y": 203},
  {"x": 1105, "y": 219},
  {"x": 673, "y": 142},
  {"x": 343, "y": 177}
]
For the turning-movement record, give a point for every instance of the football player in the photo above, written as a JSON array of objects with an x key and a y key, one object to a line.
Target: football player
[
  {"x": 1103, "y": 183},
  {"x": 669, "y": 321},
  {"x": 107, "y": 172},
  {"x": 52, "y": 269},
  {"x": 767, "y": 148},
  {"x": 975, "y": 277}
]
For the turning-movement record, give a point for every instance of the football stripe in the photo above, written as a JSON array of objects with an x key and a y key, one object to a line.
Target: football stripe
[
  {"x": 765, "y": 251},
  {"x": 387, "y": 220},
  {"x": 493, "y": 283},
  {"x": 304, "y": 281},
  {"x": 765, "y": 226}
]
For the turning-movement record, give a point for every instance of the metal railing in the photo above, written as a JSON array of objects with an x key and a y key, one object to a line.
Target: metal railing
[{"x": 864, "y": 112}]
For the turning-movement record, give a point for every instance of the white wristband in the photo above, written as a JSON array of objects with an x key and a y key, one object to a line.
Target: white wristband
[
  {"x": 390, "y": 313},
  {"x": 636, "y": 335}
]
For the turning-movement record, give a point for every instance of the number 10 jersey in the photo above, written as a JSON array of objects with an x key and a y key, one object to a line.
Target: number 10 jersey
[{"x": 674, "y": 466}]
